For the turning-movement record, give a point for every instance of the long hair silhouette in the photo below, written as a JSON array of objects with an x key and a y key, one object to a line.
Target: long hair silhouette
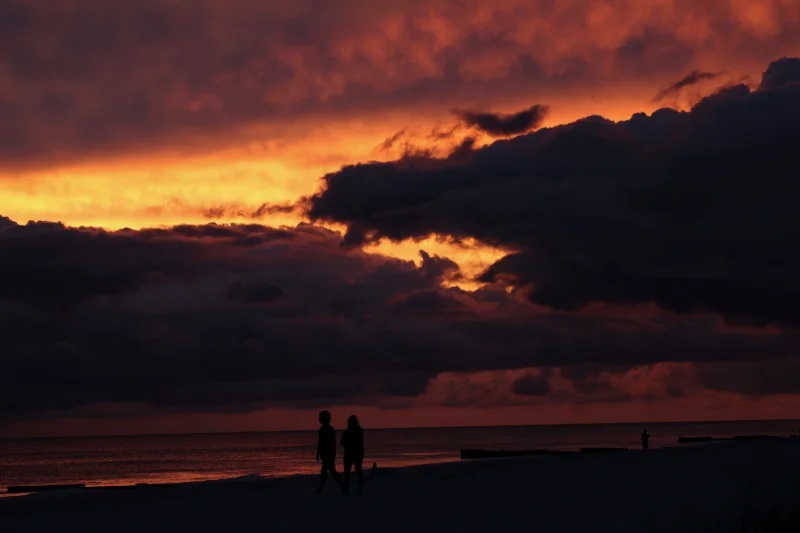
[{"x": 353, "y": 444}]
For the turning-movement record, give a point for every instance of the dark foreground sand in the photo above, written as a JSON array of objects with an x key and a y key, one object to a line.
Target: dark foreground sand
[{"x": 751, "y": 486}]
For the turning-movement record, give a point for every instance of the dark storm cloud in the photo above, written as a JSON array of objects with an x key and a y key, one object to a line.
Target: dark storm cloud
[
  {"x": 6, "y": 222},
  {"x": 531, "y": 384},
  {"x": 199, "y": 317},
  {"x": 235, "y": 317},
  {"x": 430, "y": 302},
  {"x": 691, "y": 210},
  {"x": 781, "y": 72},
  {"x": 693, "y": 78},
  {"x": 500, "y": 125},
  {"x": 83, "y": 78},
  {"x": 254, "y": 292}
]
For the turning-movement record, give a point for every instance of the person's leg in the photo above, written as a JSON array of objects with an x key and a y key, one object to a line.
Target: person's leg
[
  {"x": 323, "y": 475},
  {"x": 358, "y": 463},
  {"x": 334, "y": 474},
  {"x": 348, "y": 464}
]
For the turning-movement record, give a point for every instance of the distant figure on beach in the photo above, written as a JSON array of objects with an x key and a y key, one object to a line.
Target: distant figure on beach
[
  {"x": 353, "y": 444},
  {"x": 645, "y": 440},
  {"x": 326, "y": 451}
]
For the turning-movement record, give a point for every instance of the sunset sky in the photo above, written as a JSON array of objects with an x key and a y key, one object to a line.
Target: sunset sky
[{"x": 227, "y": 215}]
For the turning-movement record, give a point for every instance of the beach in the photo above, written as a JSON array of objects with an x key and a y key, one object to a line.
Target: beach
[{"x": 726, "y": 486}]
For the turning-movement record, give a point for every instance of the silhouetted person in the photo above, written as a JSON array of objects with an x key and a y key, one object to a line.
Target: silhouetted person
[
  {"x": 326, "y": 451},
  {"x": 353, "y": 444},
  {"x": 645, "y": 440}
]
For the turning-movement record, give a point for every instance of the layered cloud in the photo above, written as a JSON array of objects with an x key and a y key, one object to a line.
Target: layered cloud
[
  {"x": 232, "y": 318},
  {"x": 82, "y": 79},
  {"x": 641, "y": 260},
  {"x": 691, "y": 210},
  {"x": 597, "y": 384}
]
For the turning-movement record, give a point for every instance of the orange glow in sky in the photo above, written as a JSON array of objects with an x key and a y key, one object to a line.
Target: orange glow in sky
[{"x": 229, "y": 183}]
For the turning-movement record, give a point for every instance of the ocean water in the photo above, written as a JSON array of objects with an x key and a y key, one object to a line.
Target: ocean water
[{"x": 127, "y": 460}]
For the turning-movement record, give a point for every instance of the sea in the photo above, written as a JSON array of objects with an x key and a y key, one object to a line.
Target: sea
[{"x": 129, "y": 460}]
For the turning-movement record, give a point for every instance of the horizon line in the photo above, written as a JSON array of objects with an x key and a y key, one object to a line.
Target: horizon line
[{"x": 260, "y": 431}]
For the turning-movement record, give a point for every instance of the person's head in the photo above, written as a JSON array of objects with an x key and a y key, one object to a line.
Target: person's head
[
  {"x": 324, "y": 417},
  {"x": 352, "y": 422}
]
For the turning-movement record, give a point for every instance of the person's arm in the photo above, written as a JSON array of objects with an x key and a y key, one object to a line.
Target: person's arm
[
  {"x": 341, "y": 441},
  {"x": 319, "y": 443}
]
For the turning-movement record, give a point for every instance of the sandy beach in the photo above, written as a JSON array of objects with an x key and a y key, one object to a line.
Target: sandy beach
[{"x": 747, "y": 486}]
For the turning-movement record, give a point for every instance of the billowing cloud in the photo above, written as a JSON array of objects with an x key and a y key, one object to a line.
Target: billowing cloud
[
  {"x": 500, "y": 125},
  {"x": 782, "y": 72},
  {"x": 82, "y": 80},
  {"x": 229, "y": 318},
  {"x": 693, "y": 211},
  {"x": 595, "y": 384},
  {"x": 672, "y": 380}
]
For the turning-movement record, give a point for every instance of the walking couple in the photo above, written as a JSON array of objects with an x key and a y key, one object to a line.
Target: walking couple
[{"x": 353, "y": 444}]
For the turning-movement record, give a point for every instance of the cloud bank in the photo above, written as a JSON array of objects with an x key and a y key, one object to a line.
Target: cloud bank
[
  {"x": 82, "y": 79},
  {"x": 693, "y": 211},
  {"x": 232, "y": 318}
]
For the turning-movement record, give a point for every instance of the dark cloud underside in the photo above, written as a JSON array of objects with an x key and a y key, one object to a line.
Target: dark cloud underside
[
  {"x": 694, "y": 211},
  {"x": 231, "y": 318}
]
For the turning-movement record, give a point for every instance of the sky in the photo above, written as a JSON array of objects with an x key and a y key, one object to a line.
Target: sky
[{"x": 227, "y": 215}]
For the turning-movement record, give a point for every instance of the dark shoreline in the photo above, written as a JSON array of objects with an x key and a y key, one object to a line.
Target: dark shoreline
[
  {"x": 56, "y": 492},
  {"x": 704, "y": 486}
]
